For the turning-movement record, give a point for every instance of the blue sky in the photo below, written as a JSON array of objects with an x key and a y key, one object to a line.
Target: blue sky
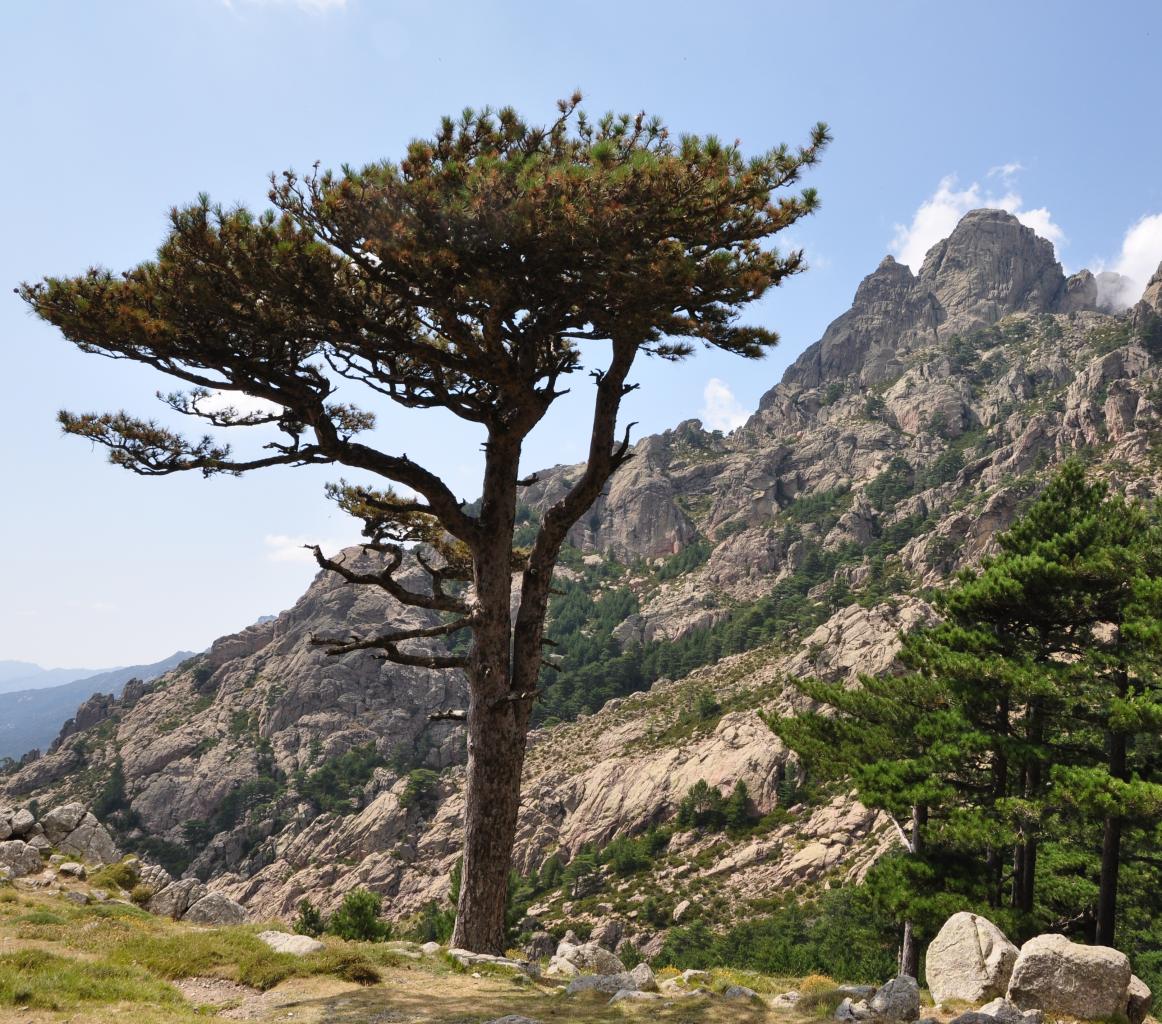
[{"x": 115, "y": 111}]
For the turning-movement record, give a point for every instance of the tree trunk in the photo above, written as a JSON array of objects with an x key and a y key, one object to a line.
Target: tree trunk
[
  {"x": 1111, "y": 845},
  {"x": 497, "y": 724},
  {"x": 496, "y": 750},
  {"x": 909, "y": 951},
  {"x": 909, "y": 955}
]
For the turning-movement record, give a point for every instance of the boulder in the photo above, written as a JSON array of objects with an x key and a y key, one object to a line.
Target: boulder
[
  {"x": 513, "y": 1018},
  {"x": 643, "y": 978},
  {"x": 610, "y": 984},
  {"x": 607, "y": 933},
  {"x": 72, "y": 868},
  {"x": 295, "y": 945},
  {"x": 1138, "y": 1000},
  {"x": 853, "y": 1010},
  {"x": 540, "y": 946},
  {"x": 970, "y": 959},
  {"x": 590, "y": 958},
  {"x": 77, "y": 897},
  {"x": 1004, "y": 1011},
  {"x": 176, "y": 898},
  {"x": 681, "y": 910},
  {"x": 60, "y": 821},
  {"x": 21, "y": 823},
  {"x": 215, "y": 908},
  {"x": 740, "y": 992},
  {"x": 1067, "y": 978},
  {"x": 19, "y": 858},
  {"x": 898, "y": 1000},
  {"x": 90, "y": 841},
  {"x": 430, "y": 948},
  {"x": 633, "y": 995}
]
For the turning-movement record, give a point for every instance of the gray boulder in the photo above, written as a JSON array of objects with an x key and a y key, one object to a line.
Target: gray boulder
[
  {"x": 1067, "y": 978},
  {"x": 540, "y": 946},
  {"x": 970, "y": 959},
  {"x": 740, "y": 992},
  {"x": 217, "y": 909},
  {"x": 634, "y": 995},
  {"x": 72, "y": 868},
  {"x": 176, "y": 898},
  {"x": 21, "y": 823},
  {"x": 610, "y": 984},
  {"x": 295, "y": 945},
  {"x": 607, "y": 933},
  {"x": 60, "y": 821},
  {"x": 898, "y": 1000},
  {"x": 19, "y": 858},
  {"x": 1138, "y": 1000},
  {"x": 1004, "y": 1011},
  {"x": 90, "y": 841},
  {"x": 643, "y": 977}
]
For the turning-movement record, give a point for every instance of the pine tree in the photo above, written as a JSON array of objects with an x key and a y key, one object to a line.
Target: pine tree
[{"x": 475, "y": 276}]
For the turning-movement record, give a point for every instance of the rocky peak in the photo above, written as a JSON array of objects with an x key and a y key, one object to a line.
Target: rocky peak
[
  {"x": 1152, "y": 296},
  {"x": 990, "y": 266}
]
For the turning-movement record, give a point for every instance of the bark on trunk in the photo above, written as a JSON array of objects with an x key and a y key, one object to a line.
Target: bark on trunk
[
  {"x": 1111, "y": 846},
  {"x": 496, "y": 750}
]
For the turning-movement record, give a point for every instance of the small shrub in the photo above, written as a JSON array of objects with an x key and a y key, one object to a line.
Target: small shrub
[
  {"x": 141, "y": 894},
  {"x": 115, "y": 876},
  {"x": 358, "y": 918},
  {"x": 309, "y": 921},
  {"x": 350, "y": 966}
]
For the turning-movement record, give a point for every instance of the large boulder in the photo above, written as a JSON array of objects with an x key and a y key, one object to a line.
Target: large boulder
[
  {"x": 295, "y": 945},
  {"x": 216, "y": 909},
  {"x": 970, "y": 959},
  {"x": 587, "y": 958},
  {"x": 1067, "y": 978},
  {"x": 19, "y": 858},
  {"x": 539, "y": 946},
  {"x": 176, "y": 898},
  {"x": 898, "y": 1000},
  {"x": 609, "y": 984},
  {"x": 60, "y": 821},
  {"x": 21, "y": 824},
  {"x": 1138, "y": 1000},
  {"x": 90, "y": 841}
]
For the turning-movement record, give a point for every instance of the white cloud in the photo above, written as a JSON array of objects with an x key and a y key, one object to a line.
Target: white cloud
[
  {"x": 941, "y": 212},
  {"x": 1006, "y": 171},
  {"x": 720, "y": 409},
  {"x": 1141, "y": 253},
  {"x": 246, "y": 405},
  {"x": 283, "y": 548}
]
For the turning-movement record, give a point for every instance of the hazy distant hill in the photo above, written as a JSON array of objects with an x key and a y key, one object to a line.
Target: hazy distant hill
[
  {"x": 31, "y": 718},
  {"x": 24, "y": 675}
]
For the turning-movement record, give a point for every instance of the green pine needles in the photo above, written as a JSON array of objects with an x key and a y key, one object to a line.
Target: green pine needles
[{"x": 1020, "y": 750}]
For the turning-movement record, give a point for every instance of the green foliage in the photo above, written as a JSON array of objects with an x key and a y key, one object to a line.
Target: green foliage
[
  {"x": 337, "y": 784},
  {"x": 421, "y": 791},
  {"x": 112, "y": 799},
  {"x": 1107, "y": 337},
  {"x": 628, "y": 855},
  {"x": 309, "y": 920},
  {"x": 358, "y": 918},
  {"x": 702, "y": 807},
  {"x": 686, "y": 560},
  {"x": 821, "y": 509},
  {"x": 895, "y": 483},
  {"x": 838, "y": 932},
  {"x": 1027, "y": 725}
]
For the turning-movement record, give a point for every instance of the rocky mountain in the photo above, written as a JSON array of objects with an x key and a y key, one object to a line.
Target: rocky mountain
[
  {"x": 34, "y": 717},
  {"x": 714, "y": 569}
]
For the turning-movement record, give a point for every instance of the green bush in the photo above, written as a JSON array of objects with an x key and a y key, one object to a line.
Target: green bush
[
  {"x": 358, "y": 918},
  {"x": 309, "y": 921}
]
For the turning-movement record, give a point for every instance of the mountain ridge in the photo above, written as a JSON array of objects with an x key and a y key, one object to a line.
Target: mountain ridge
[{"x": 887, "y": 458}]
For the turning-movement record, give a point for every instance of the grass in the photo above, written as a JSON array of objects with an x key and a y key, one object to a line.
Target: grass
[
  {"x": 37, "y": 979},
  {"x": 108, "y": 963}
]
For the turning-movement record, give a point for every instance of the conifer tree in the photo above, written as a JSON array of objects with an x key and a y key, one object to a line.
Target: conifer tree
[
  {"x": 1035, "y": 701},
  {"x": 475, "y": 275}
]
